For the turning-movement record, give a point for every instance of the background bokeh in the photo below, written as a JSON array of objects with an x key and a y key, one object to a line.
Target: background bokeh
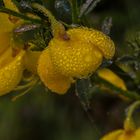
[{"x": 41, "y": 115}]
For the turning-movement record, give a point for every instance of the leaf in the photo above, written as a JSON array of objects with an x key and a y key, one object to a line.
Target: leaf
[
  {"x": 26, "y": 27},
  {"x": 126, "y": 59},
  {"x": 106, "y": 25},
  {"x": 82, "y": 89},
  {"x": 88, "y": 6}
]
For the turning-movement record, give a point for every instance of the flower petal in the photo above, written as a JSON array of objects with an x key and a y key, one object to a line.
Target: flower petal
[
  {"x": 10, "y": 5},
  {"x": 5, "y": 24},
  {"x": 113, "y": 135},
  {"x": 4, "y": 41},
  {"x": 137, "y": 134},
  {"x": 53, "y": 80},
  {"x": 75, "y": 57},
  {"x": 11, "y": 72},
  {"x": 97, "y": 38},
  {"x": 31, "y": 60},
  {"x": 111, "y": 77},
  {"x": 127, "y": 136}
]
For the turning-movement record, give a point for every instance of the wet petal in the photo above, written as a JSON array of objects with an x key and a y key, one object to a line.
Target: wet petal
[
  {"x": 97, "y": 38},
  {"x": 11, "y": 72},
  {"x": 53, "y": 80},
  {"x": 75, "y": 57}
]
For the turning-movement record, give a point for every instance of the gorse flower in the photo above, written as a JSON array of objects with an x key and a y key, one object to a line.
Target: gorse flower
[
  {"x": 50, "y": 77},
  {"x": 122, "y": 135},
  {"x": 75, "y": 53},
  {"x": 82, "y": 53},
  {"x": 11, "y": 69},
  {"x": 11, "y": 57},
  {"x": 130, "y": 132}
]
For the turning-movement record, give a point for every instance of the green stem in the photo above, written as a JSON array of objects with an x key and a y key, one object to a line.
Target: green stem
[
  {"x": 75, "y": 11},
  {"x": 129, "y": 123},
  {"x": 26, "y": 88},
  {"x": 57, "y": 28},
  {"x": 132, "y": 109},
  {"x": 130, "y": 94},
  {"x": 11, "y": 12}
]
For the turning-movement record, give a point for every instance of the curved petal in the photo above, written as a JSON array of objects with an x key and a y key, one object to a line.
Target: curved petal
[
  {"x": 53, "y": 80},
  {"x": 137, "y": 134},
  {"x": 75, "y": 58},
  {"x": 31, "y": 60},
  {"x": 5, "y": 24},
  {"x": 10, "y": 5},
  {"x": 111, "y": 77},
  {"x": 11, "y": 72},
  {"x": 127, "y": 136},
  {"x": 97, "y": 38},
  {"x": 113, "y": 135},
  {"x": 8, "y": 22}
]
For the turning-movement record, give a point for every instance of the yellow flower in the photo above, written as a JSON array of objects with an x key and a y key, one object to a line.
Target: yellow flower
[
  {"x": 6, "y": 26},
  {"x": 123, "y": 135},
  {"x": 11, "y": 68},
  {"x": 11, "y": 57},
  {"x": 55, "y": 81},
  {"x": 9, "y": 22},
  {"x": 130, "y": 132},
  {"x": 75, "y": 53},
  {"x": 80, "y": 55}
]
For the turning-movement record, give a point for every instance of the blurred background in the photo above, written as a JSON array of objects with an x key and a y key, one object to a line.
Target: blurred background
[{"x": 42, "y": 115}]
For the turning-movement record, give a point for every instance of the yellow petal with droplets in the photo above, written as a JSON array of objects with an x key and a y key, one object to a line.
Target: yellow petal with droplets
[
  {"x": 31, "y": 60},
  {"x": 11, "y": 72},
  {"x": 97, "y": 38},
  {"x": 113, "y": 135},
  {"x": 52, "y": 79},
  {"x": 75, "y": 57}
]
